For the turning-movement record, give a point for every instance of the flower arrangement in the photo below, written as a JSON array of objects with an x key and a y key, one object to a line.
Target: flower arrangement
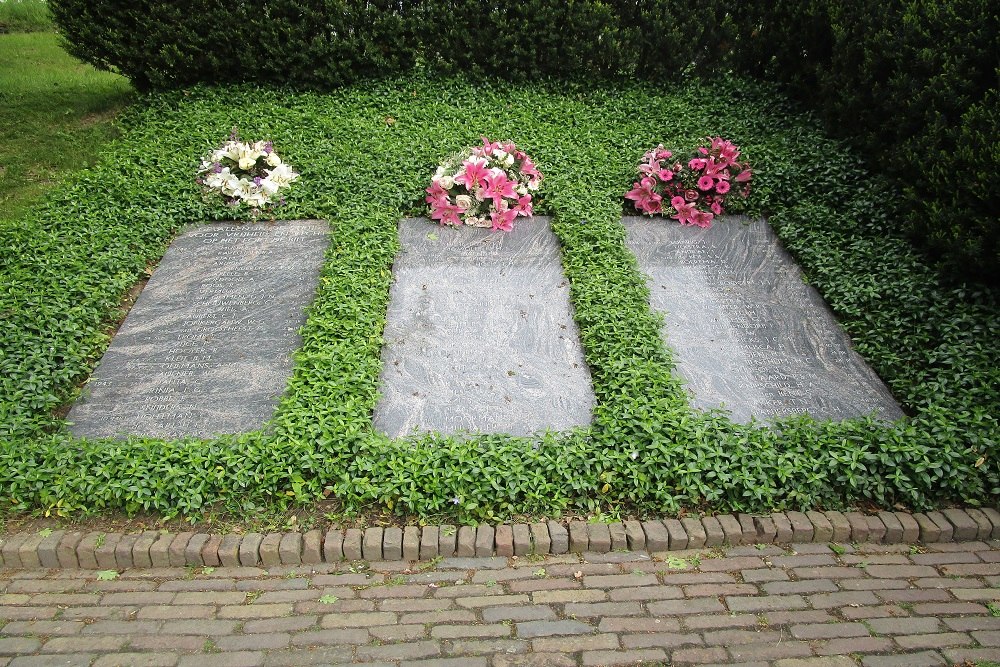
[
  {"x": 245, "y": 173},
  {"x": 484, "y": 186},
  {"x": 694, "y": 191}
]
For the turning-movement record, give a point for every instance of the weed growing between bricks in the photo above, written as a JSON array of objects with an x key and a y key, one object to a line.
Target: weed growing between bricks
[{"x": 647, "y": 451}]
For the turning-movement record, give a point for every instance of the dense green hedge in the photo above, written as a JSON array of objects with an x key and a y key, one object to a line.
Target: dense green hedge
[
  {"x": 913, "y": 83},
  {"x": 65, "y": 267}
]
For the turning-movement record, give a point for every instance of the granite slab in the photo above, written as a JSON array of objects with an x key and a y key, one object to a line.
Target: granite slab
[
  {"x": 480, "y": 335},
  {"x": 749, "y": 334},
  {"x": 207, "y": 347}
]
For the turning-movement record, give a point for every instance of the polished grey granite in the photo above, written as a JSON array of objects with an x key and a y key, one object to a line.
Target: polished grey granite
[
  {"x": 480, "y": 334},
  {"x": 748, "y": 333},
  {"x": 206, "y": 349}
]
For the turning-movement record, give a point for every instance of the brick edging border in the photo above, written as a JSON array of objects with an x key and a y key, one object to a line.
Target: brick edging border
[{"x": 109, "y": 551}]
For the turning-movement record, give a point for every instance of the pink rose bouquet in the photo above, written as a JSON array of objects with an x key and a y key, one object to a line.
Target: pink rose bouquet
[
  {"x": 694, "y": 190},
  {"x": 485, "y": 186}
]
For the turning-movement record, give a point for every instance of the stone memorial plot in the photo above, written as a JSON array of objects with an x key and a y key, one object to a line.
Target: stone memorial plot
[
  {"x": 748, "y": 334},
  {"x": 480, "y": 334},
  {"x": 206, "y": 349}
]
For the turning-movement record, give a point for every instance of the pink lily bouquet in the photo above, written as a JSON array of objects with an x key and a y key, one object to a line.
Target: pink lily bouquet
[
  {"x": 692, "y": 192},
  {"x": 246, "y": 173},
  {"x": 484, "y": 186}
]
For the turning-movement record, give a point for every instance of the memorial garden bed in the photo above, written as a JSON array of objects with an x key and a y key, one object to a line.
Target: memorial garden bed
[{"x": 365, "y": 154}]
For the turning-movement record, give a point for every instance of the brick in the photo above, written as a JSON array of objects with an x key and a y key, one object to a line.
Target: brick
[
  {"x": 467, "y": 631},
  {"x": 730, "y": 564},
  {"x": 784, "y": 649},
  {"x": 522, "y": 539},
  {"x": 859, "y": 526},
  {"x": 404, "y": 651},
  {"x": 947, "y": 530},
  {"x": 720, "y": 621},
  {"x": 994, "y": 516},
  {"x": 893, "y": 528},
  {"x": 630, "y": 657},
  {"x": 234, "y": 659},
  {"x": 290, "y": 548},
  {"x": 964, "y": 528},
  {"x": 46, "y": 549},
  {"x": 876, "y": 529},
  {"x": 312, "y": 547},
  {"x": 748, "y": 528},
  {"x": 911, "y": 529},
  {"x": 141, "y": 556},
  {"x": 592, "y": 609},
  {"x": 371, "y": 543},
  {"x": 841, "y": 647},
  {"x": 766, "y": 530},
  {"x": 192, "y": 550},
  {"x": 485, "y": 536},
  {"x": 74, "y": 644},
  {"x": 802, "y": 527},
  {"x": 540, "y": 538},
  {"x": 123, "y": 551},
  {"x": 599, "y": 538},
  {"x": 806, "y": 586},
  {"x": 983, "y": 526},
  {"x": 256, "y": 549},
  {"x": 210, "y": 551},
  {"x": 105, "y": 554},
  {"x": 929, "y": 530},
  {"x": 578, "y": 539},
  {"x": 86, "y": 551},
  {"x": 948, "y": 608},
  {"x": 695, "y": 532},
  {"x": 699, "y": 656},
  {"x": 519, "y": 614},
  {"x": 447, "y": 541},
  {"x": 137, "y": 660},
  {"x": 842, "y": 599},
  {"x": 837, "y": 661},
  {"x": 768, "y": 603},
  {"x": 352, "y": 544},
  {"x": 655, "y": 535},
  {"x": 841, "y": 526},
  {"x": 575, "y": 643},
  {"x": 568, "y": 595},
  {"x": 680, "y": 607},
  {"x": 249, "y": 551},
  {"x": 784, "y": 532},
  {"x": 828, "y": 630},
  {"x": 822, "y": 528},
  {"x": 390, "y": 545},
  {"x": 66, "y": 550},
  {"x": 559, "y": 537},
  {"x": 939, "y": 640},
  {"x": 731, "y": 531},
  {"x": 924, "y": 659},
  {"x": 466, "y": 546},
  {"x": 904, "y": 626},
  {"x": 229, "y": 550},
  {"x": 9, "y": 549},
  {"x": 504, "y": 537},
  {"x": 175, "y": 550},
  {"x": 159, "y": 551},
  {"x": 333, "y": 545},
  {"x": 676, "y": 533}
]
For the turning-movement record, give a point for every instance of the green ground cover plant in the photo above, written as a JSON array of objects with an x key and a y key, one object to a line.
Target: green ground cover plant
[
  {"x": 59, "y": 112},
  {"x": 365, "y": 154}
]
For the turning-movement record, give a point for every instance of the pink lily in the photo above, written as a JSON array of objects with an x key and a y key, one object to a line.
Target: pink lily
[
  {"x": 523, "y": 206},
  {"x": 498, "y": 186},
  {"x": 645, "y": 196},
  {"x": 503, "y": 220},
  {"x": 435, "y": 193},
  {"x": 474, "y": 173}
]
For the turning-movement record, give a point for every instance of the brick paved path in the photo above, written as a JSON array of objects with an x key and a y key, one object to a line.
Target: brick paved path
[{"x": 800, "y": 606}]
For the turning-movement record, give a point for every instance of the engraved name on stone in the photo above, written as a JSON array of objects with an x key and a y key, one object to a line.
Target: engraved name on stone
[
  {"x": 748, "y": 334},
  {"x": 207, "y": 347}
]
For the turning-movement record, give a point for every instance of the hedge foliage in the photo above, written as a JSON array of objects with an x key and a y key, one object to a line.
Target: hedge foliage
[
  {"x": 66, "y": 266},
  {"x": 913, "y": 83}
]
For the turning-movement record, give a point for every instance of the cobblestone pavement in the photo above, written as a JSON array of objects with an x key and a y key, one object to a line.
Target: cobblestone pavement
[{"x": 804, "y": 605}]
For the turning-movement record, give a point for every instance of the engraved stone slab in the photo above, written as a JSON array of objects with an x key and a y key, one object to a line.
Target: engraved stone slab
[
  {"x": 206, "y": 349},
  {"x": 480, "y": 334},
  {"x": 748, "y": 333}
]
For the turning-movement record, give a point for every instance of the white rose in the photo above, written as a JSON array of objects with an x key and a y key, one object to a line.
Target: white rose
[
  {"x": 446, "y": 182},
  {"x": 509, "y": 160},
  {"x": 273, "y": 159},
  {"x": 464, "y": 202},
  {"x": 532, "y": 185},
  {"x": 480, "y": 194},
  {"x": 500, "y": 155},
  {"x": 522, "y": 189}
]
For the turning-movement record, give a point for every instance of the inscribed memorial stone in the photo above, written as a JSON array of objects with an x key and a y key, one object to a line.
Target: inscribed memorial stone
[
  {"x": 206, "y": 349},
  {"x": 748, "y": 333},
  {"x": 480, "y": 334}
]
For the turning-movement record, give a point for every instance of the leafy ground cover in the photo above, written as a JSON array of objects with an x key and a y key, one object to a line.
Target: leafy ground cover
[{"x": 365, "y": 154}]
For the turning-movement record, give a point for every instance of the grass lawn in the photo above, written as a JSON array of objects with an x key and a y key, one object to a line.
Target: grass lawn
[
  {"x": 59, "y": 111},
  {"x": 365, "y": 154}
]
